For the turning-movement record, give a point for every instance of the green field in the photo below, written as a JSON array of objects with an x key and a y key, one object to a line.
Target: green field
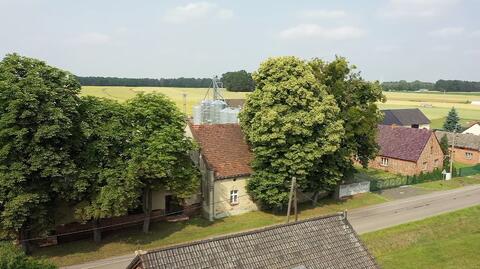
[
  {"x": 450, "y": 240},
  {"x": 434, "y": 105}
]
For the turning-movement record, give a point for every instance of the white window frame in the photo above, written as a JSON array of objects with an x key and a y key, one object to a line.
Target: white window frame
[
  {"x": 468, "y": 155},
  {"x": 234, "y": 197},
  {"x": 384, "y": 161}
]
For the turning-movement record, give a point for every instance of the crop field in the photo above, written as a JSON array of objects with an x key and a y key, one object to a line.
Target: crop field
[{"x": 434, "y": 105}]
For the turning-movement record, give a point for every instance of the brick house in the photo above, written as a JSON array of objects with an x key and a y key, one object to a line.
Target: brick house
[
  {"x": 467, "y": 146},
  {"x": 409, "y": 117},
  {"x": 224, "y": 161},
  {"x": 407, "y": 151}
]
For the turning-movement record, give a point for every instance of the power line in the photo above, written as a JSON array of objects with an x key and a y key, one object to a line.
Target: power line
[{"x": 123, "y": 223}]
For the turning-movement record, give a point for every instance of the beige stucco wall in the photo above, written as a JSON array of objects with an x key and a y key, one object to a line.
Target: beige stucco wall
[
  {"x": 421, "y": 126},
  {"x": 222, "y": 204},
  {"x": 475, "y": 129}
]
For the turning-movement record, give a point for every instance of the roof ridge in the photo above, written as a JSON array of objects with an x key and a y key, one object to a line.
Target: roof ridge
[{"x": 248, "y": 232}]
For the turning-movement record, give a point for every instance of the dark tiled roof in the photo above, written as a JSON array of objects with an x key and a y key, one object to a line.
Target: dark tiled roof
[
  {"x": 467, "y": 141},
  {"x": 224, "y": 149},
  {"x": 324, "y": 242},
  {"x": 235, "y": 103},
  {"x": 404, "y": 117},
  {"x": 401, "y": 142}
]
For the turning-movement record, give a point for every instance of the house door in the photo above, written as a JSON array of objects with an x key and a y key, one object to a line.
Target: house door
[{"x": 172, "y": 205}]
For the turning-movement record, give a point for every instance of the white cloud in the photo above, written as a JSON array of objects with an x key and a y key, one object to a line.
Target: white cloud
[
  {"x": 91, "y": 38},
  {"x": 317, "y": 31},
  {"x": 323, "y": 14},
  {"x": 196, "y": 11},
  {"x": 417, "y": 8},
  {"x": 447, "y": 32}
]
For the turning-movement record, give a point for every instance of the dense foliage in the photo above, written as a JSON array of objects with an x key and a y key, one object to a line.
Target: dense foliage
[
  {"x": 457, "y": 86},
  {"x": 440, "y": 85},
  {"x": 238, "y": 81},
  {"x": 159, "y": 150},
  {"x": 308, "y": 120},
  {"x": 403, "y": 85},
  {"x": 445, "y": 150},
  {"x": 357, "y": 100},
  {"x": 452, "y": 122},
  {"x": 38, "y": 116},
  {"x": 11, "y": 257},
  {"x": 93, "y": 154},
  {"x": 290, "y": 122},
  {"x": 146, "y": 82}
]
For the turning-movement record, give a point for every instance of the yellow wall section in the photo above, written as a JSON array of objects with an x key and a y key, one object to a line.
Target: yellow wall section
[{"x": 222, "y": 205}]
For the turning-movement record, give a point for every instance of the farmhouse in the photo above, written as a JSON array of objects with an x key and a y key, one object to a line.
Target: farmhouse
[
  {"x": 224, "y": 161},
  {"x": 322, "y": 242},
  {"x": 411, "y": 117},
  {"x": 407, "y": 151},
  {"x": 473, "y": 129},
  {"x": 467, "y": 146}
]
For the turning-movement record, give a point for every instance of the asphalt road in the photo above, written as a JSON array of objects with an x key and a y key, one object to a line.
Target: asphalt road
[{"x": 366, "y": 219}]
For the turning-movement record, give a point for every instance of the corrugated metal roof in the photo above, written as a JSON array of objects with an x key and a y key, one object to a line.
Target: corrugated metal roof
[{"x": 323, "y": 242}]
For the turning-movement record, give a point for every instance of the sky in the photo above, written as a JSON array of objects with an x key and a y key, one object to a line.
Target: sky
[{"x": 387, "y": 40}]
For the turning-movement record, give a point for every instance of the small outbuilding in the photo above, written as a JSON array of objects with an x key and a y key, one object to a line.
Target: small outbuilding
[{"x": 322, "y": 242}]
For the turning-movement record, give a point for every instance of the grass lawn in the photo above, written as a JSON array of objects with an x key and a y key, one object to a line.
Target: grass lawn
[
  {"x": 454, "y": 183},
  {"x": 450, "y": 240},
  {"x": 163, "y": 234}
]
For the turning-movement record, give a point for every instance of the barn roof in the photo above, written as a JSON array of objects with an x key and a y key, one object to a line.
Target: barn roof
[
  {"x": 401, "y": 142},
  {"x": 322, "y": 242},
  {"x": 467, "y": 141},
  {"x": 407, "y": 116},
  {"x": 224, "y": 148}
]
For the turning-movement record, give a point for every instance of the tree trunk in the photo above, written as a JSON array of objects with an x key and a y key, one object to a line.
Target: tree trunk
[
  {"x": 147, "y": 208},
  {"x": 97, "y": 233},
  {"x": 23, "y": 236},
  {"x": 315, "y": 198}
]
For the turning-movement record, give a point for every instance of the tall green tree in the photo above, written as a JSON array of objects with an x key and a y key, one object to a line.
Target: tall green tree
[
  {"x": 357, "y": 102},
  {"x": 452, "y": 121},
  {"x": 101, "y": 159},
  {"x": 38, "y": 111},
  {"x": 159, "y": 150},
  {"x": 291, "y": 122},
  {"x": 238, "y": 81}
]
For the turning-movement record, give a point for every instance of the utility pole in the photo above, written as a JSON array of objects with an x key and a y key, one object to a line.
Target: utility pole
[
  {"x": 290, "y": 198},
  {"x": 295, "y": 201},
  {"x": 185, "y": 104},
  {"x": 451, "y": 151}
]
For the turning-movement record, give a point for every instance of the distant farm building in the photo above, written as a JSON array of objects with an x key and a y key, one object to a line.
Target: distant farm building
[
  {"x": 407, "y": 151},
  {"x": 466, "y": 149},
  {"x": 473, "y": 129},
  {"x": 410, "y": 117}
]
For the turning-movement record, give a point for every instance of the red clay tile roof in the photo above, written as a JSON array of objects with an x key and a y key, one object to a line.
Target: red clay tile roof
[
  {"x": 224, "y": 148},
  {"x": 401, "y": 142}
]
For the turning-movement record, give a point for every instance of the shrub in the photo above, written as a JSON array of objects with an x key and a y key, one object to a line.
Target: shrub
[{"x": 12, "y": 257}]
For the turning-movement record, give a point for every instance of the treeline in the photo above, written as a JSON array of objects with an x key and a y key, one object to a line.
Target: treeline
[
  {"x": 238, "y": 81},
  {"x": 440, "y": 85},
  {"x": 146, "y": 82}
]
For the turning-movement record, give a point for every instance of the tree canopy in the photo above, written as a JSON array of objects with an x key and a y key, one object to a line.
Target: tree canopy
[
  {"x": 38, "y": 112},
  {"x": 238, "y": 81},
  {"x": 290, "y": 122},
  {"x": 403, "y": 85},
  {"x": 14, "y": 258}
]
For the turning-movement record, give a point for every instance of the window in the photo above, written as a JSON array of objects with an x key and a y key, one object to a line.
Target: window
[
  {"x": 234, "y": 197},
  {"x": 384, "y": 161},
  {"x": 425, "y": 165},
  {"x": 435, "y": 162},
  {"x": 468, "y": 155}
]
